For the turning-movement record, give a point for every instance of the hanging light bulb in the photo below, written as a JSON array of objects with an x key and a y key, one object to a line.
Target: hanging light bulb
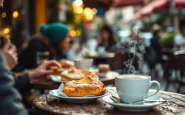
[
  {"x": 3, "y": 15},
  {"x": 78, "y": 2},
  {"x": 15, "y": 14},
  {"x": 6, "y": 30}
]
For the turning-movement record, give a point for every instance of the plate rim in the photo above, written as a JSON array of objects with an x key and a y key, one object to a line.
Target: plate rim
[
  {"x": 122, "y": 105},
  {"x": 99, "y": 77},
  {"x": 78, "y": 98}
]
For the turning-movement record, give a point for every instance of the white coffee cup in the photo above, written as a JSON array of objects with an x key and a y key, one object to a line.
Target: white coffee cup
[
  {"x": 83, "y": 63},
  {"x": 101, "y": 50},
  {"x": 133, "y": 88}
]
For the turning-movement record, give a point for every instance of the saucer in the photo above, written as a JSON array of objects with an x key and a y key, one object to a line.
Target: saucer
[
  {"x": 132, "y": 107},
  {"x": 84, "y": 99}
]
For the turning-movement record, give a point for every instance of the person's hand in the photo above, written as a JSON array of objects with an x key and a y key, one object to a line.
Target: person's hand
[
  {"x": 41, "y": 72},
  {"x": 1, "y": 3},
  {"x": 10, "y": 54}
]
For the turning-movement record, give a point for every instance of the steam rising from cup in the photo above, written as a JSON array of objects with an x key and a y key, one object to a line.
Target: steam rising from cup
[{"x": 136, "y": 49}]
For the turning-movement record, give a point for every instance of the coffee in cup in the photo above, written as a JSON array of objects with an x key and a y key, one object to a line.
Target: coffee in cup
[{"x": 131, "y": 87}]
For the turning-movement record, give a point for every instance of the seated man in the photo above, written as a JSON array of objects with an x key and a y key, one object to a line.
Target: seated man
[
  {"x": 22, "y": 83},
  {"x": 10, "y": 99},
  {"x": 179, "y": 40}
]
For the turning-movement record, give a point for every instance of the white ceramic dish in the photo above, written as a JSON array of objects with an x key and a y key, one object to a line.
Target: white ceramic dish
[
  {"x": 57, "y": 79},
  {"x": 83, "y": 63},
  {"x": 132, "y": 107},
  {"x": 75, "y": 99}
]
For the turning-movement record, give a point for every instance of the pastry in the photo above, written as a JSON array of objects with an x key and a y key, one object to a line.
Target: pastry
[
  {"x": 66, "y": 64},
  {"x": 84, "y": 87},
  {"x": 57, "y": 71},
  {"x": 72, "y": 74},
  {"x": 103, "y": 68},
  {"x": 87, "y": 72}
]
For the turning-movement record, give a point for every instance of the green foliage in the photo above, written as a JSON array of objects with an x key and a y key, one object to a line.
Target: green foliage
[
  {"x": 70, "y": 17},
  {"x": 168, "y": 39}
]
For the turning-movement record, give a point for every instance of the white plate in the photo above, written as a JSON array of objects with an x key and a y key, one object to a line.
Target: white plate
[
  {"x": 56, "y": 78},
  {"x": 132, "y": 107},
  {"x": 75, "y": 99}
]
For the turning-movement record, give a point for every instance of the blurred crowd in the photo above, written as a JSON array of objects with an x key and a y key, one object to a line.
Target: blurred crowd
[{"x": 54, "y": 42}]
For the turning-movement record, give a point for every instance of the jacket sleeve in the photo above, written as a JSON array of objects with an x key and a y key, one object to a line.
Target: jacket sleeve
[
  {"x": 10, "y": 99},
  {"x": 28, "y": 57},
  {"x": 22, "y": 83}
]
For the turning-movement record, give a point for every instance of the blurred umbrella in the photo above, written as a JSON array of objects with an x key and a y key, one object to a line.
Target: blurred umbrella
[
  {"x": 158, "y": 5},
  {"x": 120, "y": 3},
  {"x": 106, "y": 4}
]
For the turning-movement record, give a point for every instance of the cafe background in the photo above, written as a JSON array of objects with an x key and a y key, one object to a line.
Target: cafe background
[{"x": 22, "y": 18}]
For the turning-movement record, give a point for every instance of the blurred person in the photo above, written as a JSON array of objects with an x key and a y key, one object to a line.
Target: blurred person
[
  {"x": 21, "y": 83},
  {"x": 106, "y": 38},
  {"x": 167, "y": 38},
  {"x": 10, "y": 99},
  {"x": 156, "y": 48},
  {"x": 53, "y": 38},
  {"x": 179, "y": 40}
]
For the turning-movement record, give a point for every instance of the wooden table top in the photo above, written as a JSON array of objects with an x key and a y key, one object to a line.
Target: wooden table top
[
  {"x": 55, "y": 106},
  {"x": 173, "y": 52}
]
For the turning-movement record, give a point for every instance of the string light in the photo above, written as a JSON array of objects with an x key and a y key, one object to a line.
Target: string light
[
  {"x": 3, "y": 15},
  {"x": 72, "y": 33},
  {"x": 78, "y": 33},
  {"x": 15, "y": 14},
  {"x": 88, "y": 13},
  {"x": 6, "y": 30},
  {"x": 78, "y": 2},
  {"x": 94, "y": 10},
  {"x": 79, "y": 10}
]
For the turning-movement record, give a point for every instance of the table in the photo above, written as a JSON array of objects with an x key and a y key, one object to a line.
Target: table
[
  {"x": 55, "y": 106},
  {"x": 98, "y": 59},
  {"x": 54, "y": 85},
  {"x": 104, "y": 56},
  {"x": 170, "y": 52}
]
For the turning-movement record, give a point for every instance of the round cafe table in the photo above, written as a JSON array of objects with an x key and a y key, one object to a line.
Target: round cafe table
[
  {"x": 49, "y": 105},
  {"x": 99, "y": 59}
]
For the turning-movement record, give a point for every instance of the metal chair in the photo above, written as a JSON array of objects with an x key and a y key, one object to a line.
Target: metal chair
[{"x": 176, "y": 63}]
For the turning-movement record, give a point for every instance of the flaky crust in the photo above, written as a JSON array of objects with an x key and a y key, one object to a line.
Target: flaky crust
[
  {"x": 66, "y": 64},
  {"x": 84, "y": 87}
]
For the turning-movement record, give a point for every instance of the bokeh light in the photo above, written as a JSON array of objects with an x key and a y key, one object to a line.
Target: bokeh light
[
  {"x": 15, "y": 14},
  {"x": 3, "y": 15},
  {"x": 72, "y": 33},
  {"x": 6, "y": 30}
]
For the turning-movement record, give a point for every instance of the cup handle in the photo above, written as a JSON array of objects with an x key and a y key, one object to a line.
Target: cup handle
[{"x": 158, "y": 88}]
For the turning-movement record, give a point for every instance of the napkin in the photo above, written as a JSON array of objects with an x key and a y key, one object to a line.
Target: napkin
[{"x": 60, "y": 89}]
